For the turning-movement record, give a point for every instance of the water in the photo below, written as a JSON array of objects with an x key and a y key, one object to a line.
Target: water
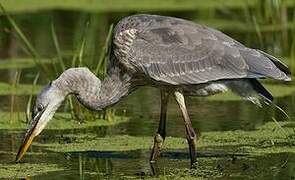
[
  {"x": 142, "y": 108},
  {"x": 206, "y": 117}
]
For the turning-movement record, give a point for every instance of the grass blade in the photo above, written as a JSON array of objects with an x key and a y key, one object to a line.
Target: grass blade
[
  {"x": 100, "y": 69},
  {"x": 13, "y": 89},
  {"x": 29, "y": 104},
  {"x": 20, "y": 33},
  {"x": 81, "y": 51},
  {"x": 81, "y": 38},
  {"x": 56, "y": 45},
  {"x": 25, "y": 40},
  {"x": 258, "y": 30}
]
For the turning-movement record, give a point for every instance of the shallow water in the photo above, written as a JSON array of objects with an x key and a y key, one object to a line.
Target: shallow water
[
  {"x": 80, "y": 160},
  {"x": 97, "y": 162}
]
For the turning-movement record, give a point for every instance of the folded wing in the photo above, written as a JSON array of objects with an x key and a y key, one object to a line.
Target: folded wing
[{"x": 180, "y": 52}]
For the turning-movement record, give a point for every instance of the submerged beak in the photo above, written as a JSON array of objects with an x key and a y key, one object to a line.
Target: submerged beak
[{"x": 30, "y": 135}]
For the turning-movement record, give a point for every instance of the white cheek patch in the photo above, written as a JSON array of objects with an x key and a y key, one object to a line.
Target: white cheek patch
[{"x": 45, "y": 118}]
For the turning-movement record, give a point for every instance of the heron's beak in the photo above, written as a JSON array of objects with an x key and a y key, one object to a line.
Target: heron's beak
[{"x": 32, "y": 132}]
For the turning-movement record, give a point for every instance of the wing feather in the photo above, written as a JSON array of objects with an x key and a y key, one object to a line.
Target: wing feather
[{"x": 176, "y": 51}]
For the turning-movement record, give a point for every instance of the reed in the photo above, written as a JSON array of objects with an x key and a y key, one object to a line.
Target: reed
[
  {"x": 78, "y": 59},
  {"x": 12, "y": 97},
  {"x": 29, "y": 103},
  {"x": 29, "y": 47},
  {"x": 292, "y": 49},
  {"x": 268, "y": 20}
]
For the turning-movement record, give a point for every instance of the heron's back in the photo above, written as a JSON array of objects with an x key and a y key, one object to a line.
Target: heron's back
[{"x": 179, "y": 52}]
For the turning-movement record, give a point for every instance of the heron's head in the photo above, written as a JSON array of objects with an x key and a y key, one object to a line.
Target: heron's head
[{"x": 47, "y": 102}]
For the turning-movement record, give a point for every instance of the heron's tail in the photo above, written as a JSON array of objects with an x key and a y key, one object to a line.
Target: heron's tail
[
  {"x": 252, "y": 90},
  {"x": 281, "y": 66},
  {"x": 260, "y": 90}
]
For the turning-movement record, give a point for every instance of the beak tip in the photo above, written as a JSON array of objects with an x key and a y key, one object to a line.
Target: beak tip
[
  {"x": 30, "y": 135},
  {"x": 18, "y": 158}
]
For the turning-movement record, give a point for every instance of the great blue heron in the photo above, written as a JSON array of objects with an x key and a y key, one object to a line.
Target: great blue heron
[{"x": 174, "y": 55}]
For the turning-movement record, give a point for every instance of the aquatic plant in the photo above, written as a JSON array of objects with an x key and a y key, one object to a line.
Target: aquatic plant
[{"x": 78, "y": 59}]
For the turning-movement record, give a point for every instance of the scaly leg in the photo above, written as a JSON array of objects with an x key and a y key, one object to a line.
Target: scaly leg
[
  {"x": 190, "y": 133},
  {"x": 161, "y": 133}
]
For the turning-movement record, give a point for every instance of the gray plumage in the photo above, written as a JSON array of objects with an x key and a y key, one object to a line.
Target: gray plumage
[
  {"x": 176, "y": 51},
  {"x": 172, "y": 53},
  {"x": 177, "y": 56},
  {"x": 180, "y": 53}
]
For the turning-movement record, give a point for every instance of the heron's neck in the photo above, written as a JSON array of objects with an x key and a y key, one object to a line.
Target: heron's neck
[{"x": 90, "y": 91}]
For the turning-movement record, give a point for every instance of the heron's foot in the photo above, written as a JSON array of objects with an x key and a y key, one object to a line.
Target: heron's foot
[
  {"x": 158, "y": 142},
  {"x": 194, "y": 165},
  {"x": 155, "y": 168},
  {"x": 192, "y": 142}
]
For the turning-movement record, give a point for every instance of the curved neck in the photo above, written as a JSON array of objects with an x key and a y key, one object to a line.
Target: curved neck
[{"x": 90, "y": 91}]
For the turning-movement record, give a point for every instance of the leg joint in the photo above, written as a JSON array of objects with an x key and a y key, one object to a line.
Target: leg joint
[
  {"x": 192, "y": 138},
  {"x": 159, "y": 138}
]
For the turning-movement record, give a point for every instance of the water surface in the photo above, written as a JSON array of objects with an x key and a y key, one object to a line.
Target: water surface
[{"x": 218, "y": 159}]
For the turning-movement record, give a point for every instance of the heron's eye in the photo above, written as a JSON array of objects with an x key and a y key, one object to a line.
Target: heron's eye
[{"x": 40, "y": 107}]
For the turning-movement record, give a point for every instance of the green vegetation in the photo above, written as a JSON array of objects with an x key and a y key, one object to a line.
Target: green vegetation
[
  {"x": 125, "y": 5},
  {"x": 84, "y": 44},
  {"x": 246, "y": 148},
  {"x": 60, "y": 121},
  {"x": 26, "y": 170},
  {"x": 20, "y": 63},
  {"x": 266, "y": 139},
  {"x": 37, "y": 39},
  {"x": 229, "y": 25},
  {"x": 19, "y": 89}
]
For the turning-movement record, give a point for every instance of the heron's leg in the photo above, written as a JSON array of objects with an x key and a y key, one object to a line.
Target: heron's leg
[
  {"x": 161, "y": 133},
  {"x": 190, "y": 132}
]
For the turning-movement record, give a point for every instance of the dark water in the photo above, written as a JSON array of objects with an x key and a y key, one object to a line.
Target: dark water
[{"x": 142, "y": 107}]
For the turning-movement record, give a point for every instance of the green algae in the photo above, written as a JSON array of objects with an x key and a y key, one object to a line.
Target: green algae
[
  {"x": 205, "y": 168},
  {"x": 61, "y": 121},
  {"x": 268, "y": 138},
  {"x": 252, "y": 148},
  {"x": 26, "y": 170},
  {"x": 267, "y": 141},
  {"x": 262, "y": 167}
]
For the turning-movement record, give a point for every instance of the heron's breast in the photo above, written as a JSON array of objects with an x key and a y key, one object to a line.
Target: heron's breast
[
  {"x": 205, "y": 89},
  {"x": 123, "y": 41}
]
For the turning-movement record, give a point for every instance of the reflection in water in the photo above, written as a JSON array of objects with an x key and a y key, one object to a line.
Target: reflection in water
[
  {"x": 207, "y": 116},
  {"x": 112, "y": 165},
  {"x": 144, "y": 114},
  {"x": 142, "y": 107}
]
